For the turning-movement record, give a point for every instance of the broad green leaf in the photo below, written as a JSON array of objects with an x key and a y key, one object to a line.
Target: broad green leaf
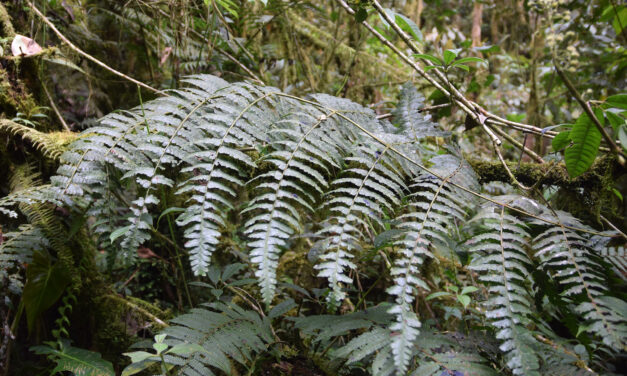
[
  {"x": 614, "y": 120},
  {"x": 408, "y": 26},
  {"x": 185, "y": 349},
  {"x": 138, "y": 356},
  {"x": 561, "y": 140},
  {"x": 586, "y": 141},
  {"x": 119, "y": 232},
  {"x": 469, "y": 290},
  {"x": 438, "y": 295},
  {"x": 620, "y": 20},
  {"x": 622, "y": 136},
  {"x": 449, "y": 56},
  {"x": 617, "y": 101},
  {"x": 470, "y": 59},
  {"x": 159, "y": 347},
  {"x": 462, "y": 66},
  {"x": 79, "y": 362},
  {"x": 431, "y": 58},
  {"x": 464, "y": 299},
  {"x": 135, "y": 368},
  {"x": 170, "y": 210},
  {"x": 45, "y": 283}
]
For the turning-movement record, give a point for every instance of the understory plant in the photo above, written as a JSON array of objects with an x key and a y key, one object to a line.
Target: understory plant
[{"x": 323, "y": 177}]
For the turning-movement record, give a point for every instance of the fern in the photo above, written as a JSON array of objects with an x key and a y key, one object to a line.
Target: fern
[
  {"x": 17, "y": 250},
  {"x": 432, "y": 354},
  {"x": 433, "y": 206},
  {"x": 579, "y": 272},
  {"x": 410, "y": 118},
  {"x": 502, "y": 260},
  {"x": 323, "y": 167}
]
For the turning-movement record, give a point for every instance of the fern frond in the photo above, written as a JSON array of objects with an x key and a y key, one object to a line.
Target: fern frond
[
  {"x": 302, "y": 157},
  {"x": 17, "y": 250},
  {"x": 357, "y": 202},
  {"x": 411, "y": 120},
  {"x": 52, "y": 145},
  {"x": 577, "y": 269},
  {"x": 226, "y": 333},
  {"x": 432, "y": 354},
  {"x": 433, "y": 205},
  {"x": 504, "y": 266}
]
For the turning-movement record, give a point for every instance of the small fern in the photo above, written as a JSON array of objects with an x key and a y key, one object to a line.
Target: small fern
[{"x": 215, "y": 337}]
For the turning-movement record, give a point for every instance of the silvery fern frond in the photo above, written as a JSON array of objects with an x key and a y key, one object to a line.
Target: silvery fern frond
[
  {"x": 500, "y": 257},
  {"x": 357, "y": 201},
  {"x": 17, "y": 250},
  {"x": 301, "y": 158},
  {"x": 432, "y": 208},
  {"x": 565, "y": 254}
]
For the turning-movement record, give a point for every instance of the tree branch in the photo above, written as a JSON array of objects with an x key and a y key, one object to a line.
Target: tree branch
[{"x": 86, "y": 55}]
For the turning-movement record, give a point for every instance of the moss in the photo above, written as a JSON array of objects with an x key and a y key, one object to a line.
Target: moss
[
  {"x": 295, "y": 266},
  {"x": 5, "y": 22},
  {"x": 544, "y": 174}
]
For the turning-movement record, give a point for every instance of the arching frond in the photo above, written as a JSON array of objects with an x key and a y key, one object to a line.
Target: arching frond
[
  {"x": 504, "y": 266},
  {"x": 432, "y": 208}
]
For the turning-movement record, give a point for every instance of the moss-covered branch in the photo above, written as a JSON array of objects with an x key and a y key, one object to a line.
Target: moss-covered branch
[
  {"x": 544, "y": 174},
  {"x": 5, "y": 23}
]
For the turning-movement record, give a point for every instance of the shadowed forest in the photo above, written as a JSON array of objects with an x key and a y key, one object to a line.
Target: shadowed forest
[{"x": 313, "y": 188}]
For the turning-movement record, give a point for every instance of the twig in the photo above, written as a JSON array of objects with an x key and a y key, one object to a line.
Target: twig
[
  {"x": 519, "y": 145},
  {"x": 427, "y": 108},
  {"x": 612, "y": 226},
  {"x": 139, "y": 309},
  {"x": 86, "y": 55},
  {"x": 588, "y": 110},
  {"x": 239, "y": 64},
  {"x": 54, "y": 108},
  {"x": 471, "y": 108}
]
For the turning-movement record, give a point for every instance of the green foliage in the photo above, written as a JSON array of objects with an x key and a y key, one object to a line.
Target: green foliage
[
  {"x": 46, "y": 281},
  {"x": 586, "y": 140},
  {"x": 79, "y": 362},
  {"x": 319, "y": 157},
  {"x": 505, "y": 268},
  {"x": 207, "y": 338}
]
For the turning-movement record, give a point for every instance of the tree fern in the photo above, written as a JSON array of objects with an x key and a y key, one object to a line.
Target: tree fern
[{"x": 502, "y": 260}]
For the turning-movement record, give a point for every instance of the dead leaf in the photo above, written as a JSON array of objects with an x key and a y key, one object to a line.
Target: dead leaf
[
  {"x": 68, "y": 9},
  {"x": 146, "y": 253},
  {"x": 164, "y": 56},
  {"x": 24, "y": 46}
]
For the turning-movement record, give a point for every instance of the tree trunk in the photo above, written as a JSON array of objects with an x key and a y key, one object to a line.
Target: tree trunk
[{"x": 477, "y": 19}]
